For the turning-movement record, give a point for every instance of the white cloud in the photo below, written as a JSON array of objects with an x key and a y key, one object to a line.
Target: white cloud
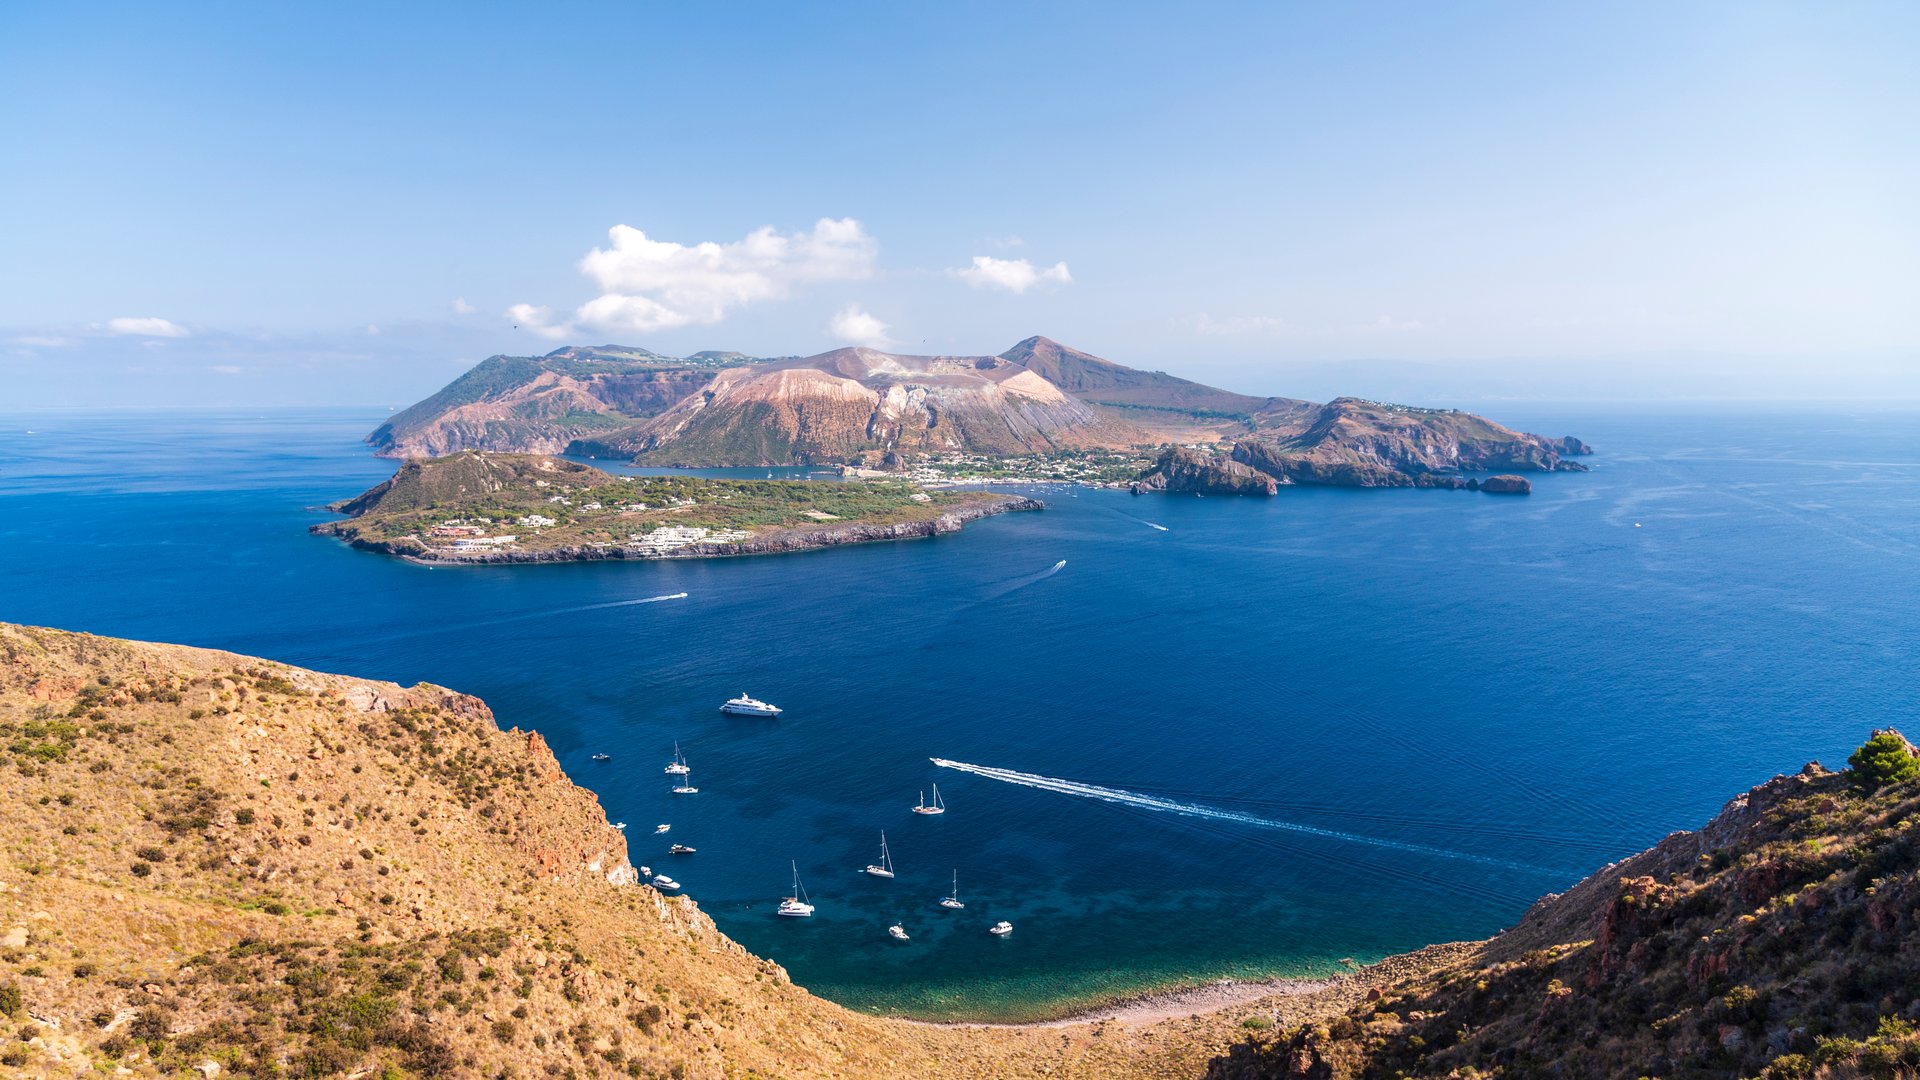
[
  {"x": 647, "y": 285},
  {"x": 1005, "y": 241},
  {"x": 42, "y": 341},
  {"x": 1270, "y": 326},
  {"x": 461, "y": 307},
  {"x": 854, "y": 325},
  {"x": 227, "y": 369},
  {"x": 373, "y": 330},
  {"x": 145, "y": 327},
  {"x": 1013, "y": 275}
]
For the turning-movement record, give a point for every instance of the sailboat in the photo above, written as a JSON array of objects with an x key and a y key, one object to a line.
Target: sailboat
[
  {"x": 938, "y": 807},
  {"x": 685, "y": 787},
  {"x": 678, "y": 766},
  {"x": 952, "y": 900},
  {"x": 885, "y": 867},
  {"x": 796, "y": 905}
]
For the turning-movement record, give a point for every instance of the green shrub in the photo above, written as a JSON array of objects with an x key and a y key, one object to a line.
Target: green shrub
[
  {"x": 1881, "y": 760},
  {"x": 10, "y": 1000}
]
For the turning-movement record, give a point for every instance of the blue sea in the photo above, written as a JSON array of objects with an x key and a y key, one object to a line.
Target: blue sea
[{"x": 1239, "y": 737}]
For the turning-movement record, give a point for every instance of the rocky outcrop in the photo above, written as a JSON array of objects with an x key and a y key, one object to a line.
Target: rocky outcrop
[
  {"x": 1179, "y": 469},
  {"x": 1507, "y": 484},
  {"x": 1352, "y": 442}
]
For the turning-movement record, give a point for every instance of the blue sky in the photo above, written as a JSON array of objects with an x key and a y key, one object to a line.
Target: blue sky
[{"x": 258, "y": 203}]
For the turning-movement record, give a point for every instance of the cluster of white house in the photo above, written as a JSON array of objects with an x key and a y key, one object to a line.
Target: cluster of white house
[{"x": 670, "y": 537}]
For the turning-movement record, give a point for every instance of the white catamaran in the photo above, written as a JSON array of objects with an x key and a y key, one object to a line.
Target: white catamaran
[
  {"x": 884, "y": 868},
  {"x": 937, "y": 807},
  {"x": 796, "y": 905},
  {"x": 749, "y": 706},
  {"x": 952, "y": 900},
  {"x": 678, "y": 766}
]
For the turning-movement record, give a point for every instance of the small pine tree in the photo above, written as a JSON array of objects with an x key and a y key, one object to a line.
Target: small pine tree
[{"x": 1884, "y": 759}]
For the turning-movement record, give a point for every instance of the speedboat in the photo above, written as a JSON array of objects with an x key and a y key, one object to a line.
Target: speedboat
[
  {"x": 621, "y": 825},
  {"x": 1001, "y": 928},
  {"x": 603, "y": 757},
  {"x": 663, "y": 882},
  {"x": 646, "y": 871},
  {"x": 749, "y": 706},
  {"x": 680, "y": 849},
  {"x": 658, "y": 829},
  {"x": 796, "y": 905},
  {"x": 897, "y": 932},
  {"x": 678, "y": 766},
  {"x": 884, "y": 868},
  {"x": 936, "y": 807},
  {"x": 952, "y": 900}
]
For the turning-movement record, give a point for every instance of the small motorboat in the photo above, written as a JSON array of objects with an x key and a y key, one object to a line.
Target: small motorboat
[
  {"x": 646, "y": 871},
  {"x": 665, "y": 883},
  {"x": 680, "y": 849},
  {"x": 749, "y": 706},
  {"x": 621, "y": 825},
  {"x": 935, "y": 807},
  {"x": 1001, "y": 928},
  {"x": 897, "y": 932},
  {"x": 796, "y": 906},
  {"x": 658, "y": 829},
  {"x": 603, "y": 757}
]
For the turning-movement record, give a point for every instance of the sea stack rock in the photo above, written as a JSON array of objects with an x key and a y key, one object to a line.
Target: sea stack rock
[
  {"x": 1507, "y": 484},
  {"x": 1181, "y": 469}
]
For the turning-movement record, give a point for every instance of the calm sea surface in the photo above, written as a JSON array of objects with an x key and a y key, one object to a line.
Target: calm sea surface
[{"x": 1401, "y": 716}]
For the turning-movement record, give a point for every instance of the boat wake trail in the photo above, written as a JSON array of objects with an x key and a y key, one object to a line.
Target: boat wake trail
[
  {"x": 1021, "y": 583},
  {"x": 1175, "y": 806}
]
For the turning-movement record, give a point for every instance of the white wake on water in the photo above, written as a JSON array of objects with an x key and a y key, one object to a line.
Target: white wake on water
[{"x": 1175, "y": 806}]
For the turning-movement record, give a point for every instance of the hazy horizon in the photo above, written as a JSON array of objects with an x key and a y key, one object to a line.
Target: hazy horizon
[{"x": 234, "y": 205}]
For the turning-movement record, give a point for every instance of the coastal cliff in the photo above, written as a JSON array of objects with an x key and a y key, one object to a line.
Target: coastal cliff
[
  {"x": 1179, "y": 469},
  {"x": 1781, "y": 941},
  {"x": 1350, "y": 442}
]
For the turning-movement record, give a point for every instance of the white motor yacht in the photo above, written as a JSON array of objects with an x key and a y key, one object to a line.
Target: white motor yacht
[
  {"x": 897, "y": 932},
  {"x": 749, "y": 706},
  {"x": 664, "y": 883},
  {"x": 1001, "y": 928}
]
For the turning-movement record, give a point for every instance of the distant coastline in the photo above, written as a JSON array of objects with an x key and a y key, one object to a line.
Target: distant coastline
[{"x": 771, "y": 542}]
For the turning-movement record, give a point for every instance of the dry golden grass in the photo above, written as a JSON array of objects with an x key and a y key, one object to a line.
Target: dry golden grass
[{"x": 210, "y": 861}]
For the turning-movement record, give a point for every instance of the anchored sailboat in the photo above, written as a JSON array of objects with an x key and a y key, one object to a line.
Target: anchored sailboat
[
  {"x": 885, "y": 866},
  {"x": 685, "y": 786},
  {"x": 796, "y": 905},
  {"x": 937, "y": 806},
  {"x": 678, "y": 766},
  {"x": 952, "y": 900}
]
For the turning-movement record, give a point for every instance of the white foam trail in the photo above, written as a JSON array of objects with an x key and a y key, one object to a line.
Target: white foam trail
[
  {"x": 1155, "y": 802},
  {"x": 616, "y": 603}
]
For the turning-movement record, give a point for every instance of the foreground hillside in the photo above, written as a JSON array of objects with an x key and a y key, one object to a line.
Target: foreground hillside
[
  {"x": 475, "y": 507},
  {"x": 1780, "y": 941},
  {"x": 1037, "y": 398},
  {"x": 210, "y": 862}
]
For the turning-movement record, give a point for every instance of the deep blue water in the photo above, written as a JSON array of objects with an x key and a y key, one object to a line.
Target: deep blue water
[{"x": 1426, "y": 708}]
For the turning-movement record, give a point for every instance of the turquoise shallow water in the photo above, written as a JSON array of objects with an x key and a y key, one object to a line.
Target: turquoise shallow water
[{"x": 1402, "y": 715}]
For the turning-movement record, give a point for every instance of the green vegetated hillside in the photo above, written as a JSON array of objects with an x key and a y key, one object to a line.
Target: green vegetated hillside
[
  {"x": 546, "y": 502},
  {"x": 1781, "y": 941}
]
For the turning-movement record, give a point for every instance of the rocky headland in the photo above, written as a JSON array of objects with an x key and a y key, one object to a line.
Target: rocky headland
[{"x": 474, "y": 508}]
